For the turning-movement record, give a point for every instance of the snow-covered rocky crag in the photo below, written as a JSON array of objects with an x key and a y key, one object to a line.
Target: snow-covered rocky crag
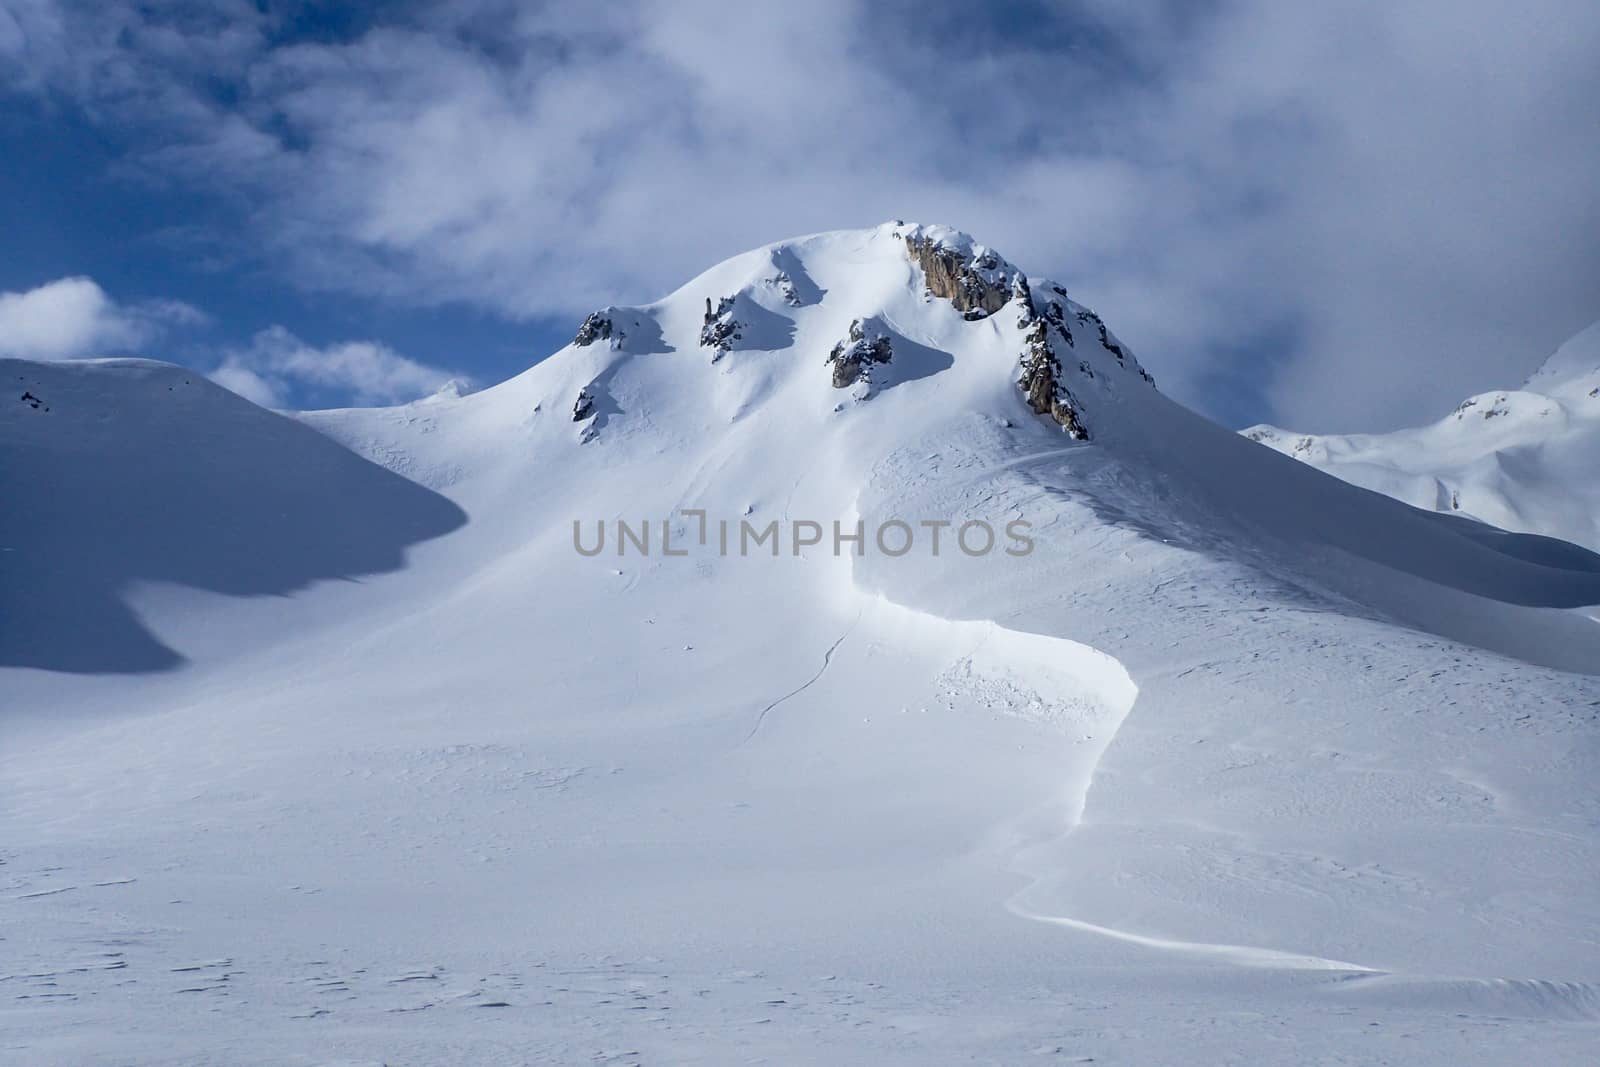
[
  {"x": 972, "y": 701},
  {"x": 1520, "y": 459}
]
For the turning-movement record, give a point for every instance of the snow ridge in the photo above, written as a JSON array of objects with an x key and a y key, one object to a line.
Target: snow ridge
[{"x": 1521, "y": 460}]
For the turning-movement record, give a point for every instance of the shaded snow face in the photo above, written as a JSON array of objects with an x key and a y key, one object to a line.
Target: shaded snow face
[{"x": 125, "y": 472}]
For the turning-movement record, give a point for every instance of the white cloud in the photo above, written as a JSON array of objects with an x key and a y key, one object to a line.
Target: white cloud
[
  {"x": 278, "y": 366},
  {"x": 1367, "y": 210},
  {"x": 73, "y": 317}
]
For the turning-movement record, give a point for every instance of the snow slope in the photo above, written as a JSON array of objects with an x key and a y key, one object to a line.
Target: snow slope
[
  {"x": 1522, "y": 460},
  {"x": 121, "y": 472},
  {"x": 1238, "y": 763}
]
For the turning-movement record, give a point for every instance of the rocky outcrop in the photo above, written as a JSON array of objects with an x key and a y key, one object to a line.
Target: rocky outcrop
[
  {"x": 584, "y": 407},
  {"x": 720, "y": 329},
  {"x": 1041, "y": 379},
  {"x": 1057, "y": 316},
  {"x": 1109, "y": 343},
  {"x": 1273, "y": 437},
  {"x": 597, "y": 327},
  {"x": 978, "y": 285},
  {"x": 977, "y": 282},
  {"x": 1087, "y": 316},
  {"x": 852, "y": 359},
  {"x": 785, "y": 285}
]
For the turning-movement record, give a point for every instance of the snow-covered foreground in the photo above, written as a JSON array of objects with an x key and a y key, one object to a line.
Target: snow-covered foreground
[{"x": 308, "y": 763}]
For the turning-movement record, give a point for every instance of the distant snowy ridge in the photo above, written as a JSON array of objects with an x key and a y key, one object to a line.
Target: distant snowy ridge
[{"x": 1526, "y": 460}]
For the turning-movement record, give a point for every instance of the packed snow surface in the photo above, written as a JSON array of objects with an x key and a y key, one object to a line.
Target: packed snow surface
[{"x": 325, "y": 743}]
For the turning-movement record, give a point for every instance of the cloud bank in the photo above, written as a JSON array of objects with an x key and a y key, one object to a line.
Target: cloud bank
[
  {"x": 1357, "y": 213},
  {"x": 73, "y": 317},
  {"x": 277, "y": 365}
]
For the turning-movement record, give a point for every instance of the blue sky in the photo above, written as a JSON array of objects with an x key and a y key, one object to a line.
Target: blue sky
[
  {"x": 1339, "y": 218},
  {"x": 78, "y": 203}
]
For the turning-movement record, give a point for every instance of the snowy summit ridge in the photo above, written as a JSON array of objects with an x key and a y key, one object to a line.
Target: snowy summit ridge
[{"x": 944, "y": 264}]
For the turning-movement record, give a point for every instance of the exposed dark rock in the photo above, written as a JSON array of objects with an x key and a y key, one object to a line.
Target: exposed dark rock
[
  {"x": 786, "y": 287},
  {"x": 852, "y": 360},
  {"x": 1065, "y": 414},
  {"x": 1057, "y": 315},
  {"x": 1022, "y": 293},
  {"x": 720, "y": 329},
  {"x": 1041, "y": 381},
  {"x": 1109, "y": 345},
  {"x": 597, "y": 327},
  {"x": 584, "y": 406},
  {"x": 1274, "y": 438},
  {"x": 977, "y": 286},
  {"x": 1106, "y": 342}
]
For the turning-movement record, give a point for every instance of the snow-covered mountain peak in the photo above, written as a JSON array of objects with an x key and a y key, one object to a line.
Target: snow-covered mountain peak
[
  {"x": 883, "y": 651},
  {"x": 881, "y": 306}
]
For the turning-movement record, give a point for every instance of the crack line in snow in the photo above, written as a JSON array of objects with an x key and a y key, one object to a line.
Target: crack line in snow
[
  {"x": 827, "y": 657},
  {"x": 1241, "y": 955}
]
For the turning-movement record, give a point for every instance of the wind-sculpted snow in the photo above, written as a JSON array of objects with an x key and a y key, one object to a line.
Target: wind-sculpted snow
[
  {"x": 1251, "y": 807},
  {"x": 1053, "y": 682},
  {"x": 1234, "y": 763}
]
